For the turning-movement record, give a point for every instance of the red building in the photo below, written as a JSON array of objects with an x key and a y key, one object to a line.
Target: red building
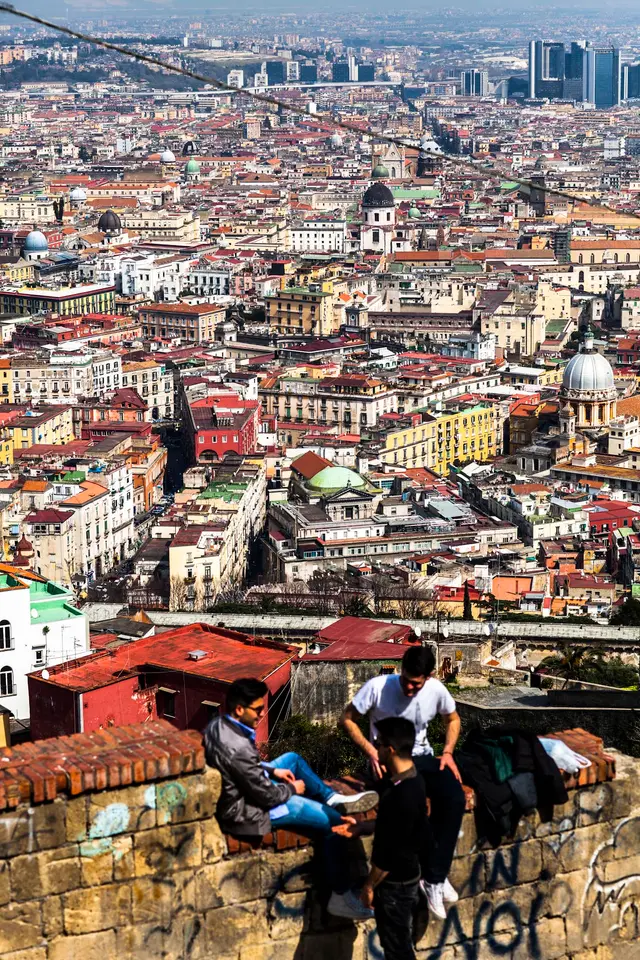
[
  {"x": 218, "y": 425},
  {"x": 180, "y": 676}
]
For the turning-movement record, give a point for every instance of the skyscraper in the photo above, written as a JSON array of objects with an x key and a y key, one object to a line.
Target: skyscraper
[
  {"x": 601, "y": 79},
  {"x": 574, "y": 71},
  {"x": 474, "y": 83},
  {"x": 546, "y": 69},
  {"x": 630, "y": 89}
]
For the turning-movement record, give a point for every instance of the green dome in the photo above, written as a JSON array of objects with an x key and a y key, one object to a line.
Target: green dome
[
  {"x": 336, "y": 478},
  {"x": 414, "y": 213},
  {"x": 379, "y": 172},
  {"x": 192, "y": 166}
]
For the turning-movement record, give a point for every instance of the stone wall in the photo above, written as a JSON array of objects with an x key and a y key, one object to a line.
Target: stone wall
[{"x": 111, "y": 851}]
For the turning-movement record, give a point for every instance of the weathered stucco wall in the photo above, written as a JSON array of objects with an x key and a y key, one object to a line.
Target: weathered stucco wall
[{"x": 141, "y": 871}]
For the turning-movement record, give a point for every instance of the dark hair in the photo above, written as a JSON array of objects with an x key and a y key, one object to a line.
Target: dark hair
[
  {"x": 243, "y": 692},
  {"x": 419, "y": 662},
  {"x": 399, "y": 733}
]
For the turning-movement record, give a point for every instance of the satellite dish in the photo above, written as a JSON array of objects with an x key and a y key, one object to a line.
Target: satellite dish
[{"x": 45, "y": 674}]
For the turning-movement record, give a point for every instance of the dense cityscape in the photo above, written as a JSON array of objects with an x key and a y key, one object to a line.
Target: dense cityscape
[{"x": 321, "y": 345}]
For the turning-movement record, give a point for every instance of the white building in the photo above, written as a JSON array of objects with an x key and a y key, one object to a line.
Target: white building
[
  {"x": 319, "y": 235},
  {"x": 235, "y": 78},
  {"x": 39, "y": 627}
]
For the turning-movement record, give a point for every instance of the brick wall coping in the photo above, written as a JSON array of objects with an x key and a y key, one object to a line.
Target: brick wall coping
[{"x": 139, "y": 753}]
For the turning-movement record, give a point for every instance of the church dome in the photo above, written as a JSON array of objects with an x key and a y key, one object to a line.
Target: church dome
[
  {"x": 336, "y": 141},
  {"x": 429, "y": 145},
  {"x": 188, "y": 148},
  {"x": 380, "y": 172},
  {"x": 378, "y": 195},
  {"x": 335, "y": 478},
  {"x": 168, "y": 156},
  {"x": 192, "y": 167},
  {"x": 414, "y": 213},
  {"x": 588, "y": 372},
  {"x": 78, "y": 195},
  {"x": 36, "y": 242},
  {"x": 109, "y": 222}
]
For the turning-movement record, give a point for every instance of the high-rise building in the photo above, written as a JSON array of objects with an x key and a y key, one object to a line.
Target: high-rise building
[
  {"x": 574, "y": 71},
  {"x": 601, "y": 80},
  {"x": 630, "y": 89},
  {"x": 546, "y": 69},
  {"x": 274, "y": 71},
  {"x": 235, "y": 78},
  {"x": 353, "y": 68},
  {"x": 366, "y": 72},
  {"x": 293, "y": 71},
  {"x": 340, "y": 71},
  {"x": 308, "y": 72},
  {"x": 474, "y": 83}
]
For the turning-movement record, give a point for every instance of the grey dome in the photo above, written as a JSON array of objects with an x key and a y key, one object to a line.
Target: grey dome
[
  {"x": 588, "y": 372},
  {"x": 168, "y": 156},
  {"x": 378, "y": 195},
  {"x": 188, "y": 148},
  {"x": 36, "y": 242},
  {"x": 109, "y": 222},
  {"x": 78, "y": 195}
]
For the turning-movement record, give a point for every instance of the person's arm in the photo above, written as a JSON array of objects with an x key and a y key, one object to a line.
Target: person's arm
[
  {"x": 250, "y": 779},
  {"x": 376, "y": 876},
  {"x": 451, "y": 734},
  {"x": 349, "y": 721}
]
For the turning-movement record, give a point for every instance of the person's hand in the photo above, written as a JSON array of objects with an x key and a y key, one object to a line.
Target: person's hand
[
  {"x": 298, "y": 786},
  {"x": 446, "y": 760},
  {"x": 366, "y": 895},
  {"x": 348, "y": 828},
  {"x": 280, "y": 773},
  {"x": 376, "y": 767}
]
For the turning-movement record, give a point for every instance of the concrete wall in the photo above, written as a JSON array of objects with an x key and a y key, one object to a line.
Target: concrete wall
[{"x": 142, "y": 871}]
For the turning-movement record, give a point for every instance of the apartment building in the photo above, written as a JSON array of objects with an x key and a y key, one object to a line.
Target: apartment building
[
  {"x": 44, "y": 425},
  {"x": 459, "y": 432},
  {"x": 39, "y": 627},
  {"x": 65, "y": 301},
  {"x": 163, "y": 224},
  {"x": 352, "y": 402},
  {"x": 303, "y": 311},
  {"x": 27, "y": 208},
  {"x": 318, "y": 235},
  {"x": 195, "y": 322},
  {"x": 154, "y": 383},
  {"x": 65, "y": 374}
]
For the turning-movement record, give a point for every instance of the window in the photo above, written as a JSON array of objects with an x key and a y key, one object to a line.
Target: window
[
  {"x": 212, "y": 708},
  {"x": 166, "y": 700},
  {"x": 39, "y": 656},
  {"x": 5, "y": 635},
  {"x": 7, "y": 688}
]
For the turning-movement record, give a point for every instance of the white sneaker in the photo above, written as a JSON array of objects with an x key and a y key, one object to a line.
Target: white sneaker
[
  {"x": 434, "y": 894},
  {"x": 353, "y": 802},
  {"x": 449, "y": 894},
  {"x": 348, "y": 905}
]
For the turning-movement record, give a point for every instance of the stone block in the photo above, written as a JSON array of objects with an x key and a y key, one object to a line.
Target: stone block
[
  {"x": 152, "y": 900},
  {"x": 17, "y": 832},
  {"x": 289, "y": 871},
  {"x": 76, "y": 819},
  {"x": 214, "y": 844},
  {"x": 513, "y": 864},
  {"x": 229, "y": 929},
  {"x": 287, "y": 915},
  {"x": 467, "y": 874},
  {"x": 52, "y": 918},
  {"x": 273, "y": 950},
  {"x": 161, "y": 851},
  {"x": 20, "y": 926},
  {"x": 49, "y": 872},
  {"x": 49, "y": 824},
  {"x": 91, "y": 946},
  {"x": 458, "y": 926},
  {"x": 127, "y": 810},
  {"x": 97, "y": 908},
  {"x": 230, "y": 881},
  {"x": 573, "y": 849},
  {"x": 468, "y": 836},
  {"x": 186, "y": 799},
  {"x": 5, "y": 882},
  {"x": 35, "y": 953},
  {"x": 123, "y": 859},
  {"x": 546, "y": 940},
  {"x": 96, "y": 861}
]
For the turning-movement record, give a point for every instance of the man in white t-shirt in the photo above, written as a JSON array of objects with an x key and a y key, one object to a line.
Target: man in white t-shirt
[{"x": 417, "y": 695}]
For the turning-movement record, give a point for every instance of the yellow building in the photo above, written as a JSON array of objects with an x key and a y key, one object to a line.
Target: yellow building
[
  {"x": 6, "y": 381},
  {"x": 46, "y": 425},
  {"x": 462, "y": 434},
  {"x": 22, "y": 271},
  {"x": 302, "y": 310},
  {"x": 65, "y": 301}
]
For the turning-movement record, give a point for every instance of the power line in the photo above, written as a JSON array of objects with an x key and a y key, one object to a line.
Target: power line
[{"x": 265, "y": 98}]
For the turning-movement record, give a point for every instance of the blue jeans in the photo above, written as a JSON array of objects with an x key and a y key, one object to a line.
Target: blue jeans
[{"x": 310, "y": 815}]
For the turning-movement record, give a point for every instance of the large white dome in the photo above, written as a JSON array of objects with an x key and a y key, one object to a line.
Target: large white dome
[{"x": 588, "y": 372}]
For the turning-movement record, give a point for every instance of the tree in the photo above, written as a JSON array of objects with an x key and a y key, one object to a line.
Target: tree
[
  {"x": 356, "y": 606},
  {"x": 628, "y": 614},
  {"x": 467, "y": 609},
  {"x": 382, "y": 594},
  {"x": 199, "y": 604},
  {"x": 177, "y": 593}
]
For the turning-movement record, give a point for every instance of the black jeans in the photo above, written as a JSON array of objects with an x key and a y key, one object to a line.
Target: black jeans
[
  {"x": 394, "y": 905},
  {"x": 447, "y": 803}
]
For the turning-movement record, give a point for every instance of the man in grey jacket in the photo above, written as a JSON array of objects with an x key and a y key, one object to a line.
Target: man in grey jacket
[{"x": 258, "y": 797}]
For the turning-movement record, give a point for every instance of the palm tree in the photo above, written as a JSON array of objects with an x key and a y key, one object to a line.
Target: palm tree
[{"x": 572, "y": 663}]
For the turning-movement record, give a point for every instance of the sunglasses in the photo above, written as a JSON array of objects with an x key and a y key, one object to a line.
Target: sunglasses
[{"x": 257, "y": 710}]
